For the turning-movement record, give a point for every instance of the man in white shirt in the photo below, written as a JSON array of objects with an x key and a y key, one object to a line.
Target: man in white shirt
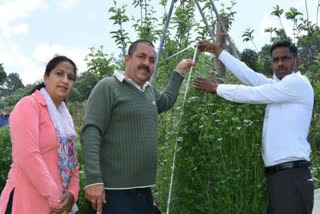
[{"x": 289, "y": 97}]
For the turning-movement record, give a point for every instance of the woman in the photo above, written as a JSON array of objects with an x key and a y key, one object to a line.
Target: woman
[{"x": 44, "y": 175}]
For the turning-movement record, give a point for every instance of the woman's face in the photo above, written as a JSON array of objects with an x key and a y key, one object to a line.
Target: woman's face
[{"x": 60, "y": 81}]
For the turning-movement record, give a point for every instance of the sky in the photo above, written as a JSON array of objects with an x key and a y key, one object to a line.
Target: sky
[{"x": 33, "y": 31}]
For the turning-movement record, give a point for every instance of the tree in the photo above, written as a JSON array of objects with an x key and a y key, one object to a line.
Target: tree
[
  {"x": 145, "y": 25},
  {"x": 309, "y": 46},
  {"x": 100, "y": 63},
  {"x": 12, "y": 83},
  {"x": 119, "y": 18},
  {"x": 248, "y": 36},
  {"x": 3, "y": 74},
  {"x": 278, "y": 12},
  {"x": 270, "y": 30},
  {"x": 292, "y": 15},
  {"x": 250, "y": 58},
  {"x": 264, "y": 62}
]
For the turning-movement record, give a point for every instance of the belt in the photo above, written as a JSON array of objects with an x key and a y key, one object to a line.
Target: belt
[{"x": 287, "y": 165}]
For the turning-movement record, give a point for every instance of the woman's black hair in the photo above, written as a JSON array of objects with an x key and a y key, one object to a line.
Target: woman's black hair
[{"x": 51, "y": 65}]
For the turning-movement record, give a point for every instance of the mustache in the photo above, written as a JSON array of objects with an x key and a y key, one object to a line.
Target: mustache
[{"x": 144, "y": 67}]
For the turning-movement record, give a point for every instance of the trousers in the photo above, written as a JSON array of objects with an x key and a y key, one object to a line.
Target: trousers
[
  {"x": 290, "y": 191},
  {"x": 131, "y": 201}
]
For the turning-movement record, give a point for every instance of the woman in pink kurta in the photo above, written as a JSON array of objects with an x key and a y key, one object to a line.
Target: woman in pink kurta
[{"x": 36, "y": 178}]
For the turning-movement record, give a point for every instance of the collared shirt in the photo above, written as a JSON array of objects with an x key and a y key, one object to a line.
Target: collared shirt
[
  {"x": 288, "y": 113},
  {"x": 121, "y": 77}
]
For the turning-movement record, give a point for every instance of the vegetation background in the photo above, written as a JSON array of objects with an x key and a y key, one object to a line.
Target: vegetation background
[{"x": 219, "y": 168}]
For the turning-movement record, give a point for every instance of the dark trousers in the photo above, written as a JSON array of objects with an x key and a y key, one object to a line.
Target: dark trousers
[
  {"x": 9, "y": 205},
  {"x": 132, "y": 201},
  {"x": 290, "y": 191}
]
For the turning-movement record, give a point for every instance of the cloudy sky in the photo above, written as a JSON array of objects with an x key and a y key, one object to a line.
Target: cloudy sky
[{"x": 33, "y": 31}]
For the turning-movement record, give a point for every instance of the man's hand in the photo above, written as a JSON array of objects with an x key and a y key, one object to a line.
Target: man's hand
[
  {"x": 96, "y": 195},
  {"x": 206, "y": 46},
  {"x": 184, "y": 66},
  {"x": 206, "y": 85},
  {"x": 66, "y": 203}
]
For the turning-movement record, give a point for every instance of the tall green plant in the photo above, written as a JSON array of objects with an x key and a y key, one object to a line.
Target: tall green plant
[
  {"x": 145, "y": 26},
  {"x": 119, "y": 18},
  {"x": 248, "y": 36},
  {"x": 278, "y": 12},
  {"x": 5, "y": 155}
]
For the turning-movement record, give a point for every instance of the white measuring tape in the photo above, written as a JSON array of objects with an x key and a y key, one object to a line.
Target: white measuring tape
[
  {"x": 183, "y": 50},
  {"x": 176, "y": 143}
]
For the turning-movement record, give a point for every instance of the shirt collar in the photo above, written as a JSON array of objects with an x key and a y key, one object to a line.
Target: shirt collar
[
  {"x": 121, "y": 77},
  {"x": 276, "y": 78}
]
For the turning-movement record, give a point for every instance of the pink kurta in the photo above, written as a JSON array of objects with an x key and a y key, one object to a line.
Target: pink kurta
[{"x": 34, "y": 173}]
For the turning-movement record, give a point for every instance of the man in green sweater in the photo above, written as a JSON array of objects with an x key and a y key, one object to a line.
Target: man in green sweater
[{"x": 119, "y": 135}]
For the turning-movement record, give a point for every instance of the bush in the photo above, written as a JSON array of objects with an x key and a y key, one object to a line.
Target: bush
[
  {"x": 219, "y": 168},
  {"x": 5, "y": 155}
]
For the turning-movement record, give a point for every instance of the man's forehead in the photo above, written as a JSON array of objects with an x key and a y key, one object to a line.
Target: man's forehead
[
  {"x": 143, "y": 47},
  {"x": 281, "y": 51}
]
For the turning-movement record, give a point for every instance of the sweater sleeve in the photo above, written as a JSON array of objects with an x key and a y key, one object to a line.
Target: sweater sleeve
[
  {"x": 24, "y": 131},
  {"x": 168, "y": 98},
  {"x": 96, "y": 122}
]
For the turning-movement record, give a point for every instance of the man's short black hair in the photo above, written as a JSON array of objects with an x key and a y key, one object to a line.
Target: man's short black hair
[
  {"x": 133, "y": 46},
  {"x": 292, "y": 48}
]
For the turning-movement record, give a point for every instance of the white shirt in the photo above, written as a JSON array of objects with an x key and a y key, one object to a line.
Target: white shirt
[
  {"x": 288, "y": 113},
  {"x": 120, "y": 76}
]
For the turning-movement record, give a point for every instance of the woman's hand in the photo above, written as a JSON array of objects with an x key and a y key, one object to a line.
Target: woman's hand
[{"x": 66, "y": 203}]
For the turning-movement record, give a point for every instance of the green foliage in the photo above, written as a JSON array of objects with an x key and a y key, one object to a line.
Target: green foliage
[
  {"x": 100, "y": 63},
  {"x": 183, "y": 21},
  {"x": 5, "y": 155},
  {"x": 250, "y": 58},
  {"x": 227, "y": 11},
  {"x": 218, "y": 155},
  {"x": 278, "y": 12},
  {"x": 11, "y": 84},
  {"x": 3, "y": 74},
  {"x": 10, "y": 101},
  {"x": 292, "y": 14},
  {"x": 83, "y": 86},
  {"x": 145, "y": 27},
  {"x": 264, "y": 62},
  {"x": 119, "y": 18},
  {"x": 309, "y": 46},
  {"x": 248, "y": 36}
]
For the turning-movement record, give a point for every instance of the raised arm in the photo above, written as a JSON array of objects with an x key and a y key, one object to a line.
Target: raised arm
[
  {"x": 167, "y": 99},
  {"x": 245, "y": 74}
]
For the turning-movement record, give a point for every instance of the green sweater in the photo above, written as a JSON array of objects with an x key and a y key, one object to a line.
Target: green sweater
[{"x": 119, "y": 135}]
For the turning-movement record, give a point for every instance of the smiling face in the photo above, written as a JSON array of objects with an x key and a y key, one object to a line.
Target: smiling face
[
  {"x": 59, "y": 81},
  {"x": 284, "y": 62},
  {"x": 140, "y": 65}
]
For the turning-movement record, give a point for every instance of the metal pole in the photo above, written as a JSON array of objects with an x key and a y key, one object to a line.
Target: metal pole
[
  {"x": 233, "y": 47},
  {"x": 205, "y": 20},
  {"x": 162, "y": 41}
]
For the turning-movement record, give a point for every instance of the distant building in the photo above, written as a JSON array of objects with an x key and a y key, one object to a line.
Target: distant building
[{"x": 4, "y": 119}]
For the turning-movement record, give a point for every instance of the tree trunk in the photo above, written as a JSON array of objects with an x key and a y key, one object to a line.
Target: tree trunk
[{"x": 221, "y": 42}]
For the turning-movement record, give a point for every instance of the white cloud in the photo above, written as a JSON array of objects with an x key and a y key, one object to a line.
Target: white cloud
[
  {"x": 31, "y": 67},
  {"x": 11, "y": 11},
  {"x": 20, "y": 29},
  {"x": 44, "y": 52},
  {"x": 67, "y": 4}
]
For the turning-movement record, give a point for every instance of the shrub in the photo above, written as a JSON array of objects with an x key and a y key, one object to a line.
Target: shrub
[{"x": 5, "y": 155}]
